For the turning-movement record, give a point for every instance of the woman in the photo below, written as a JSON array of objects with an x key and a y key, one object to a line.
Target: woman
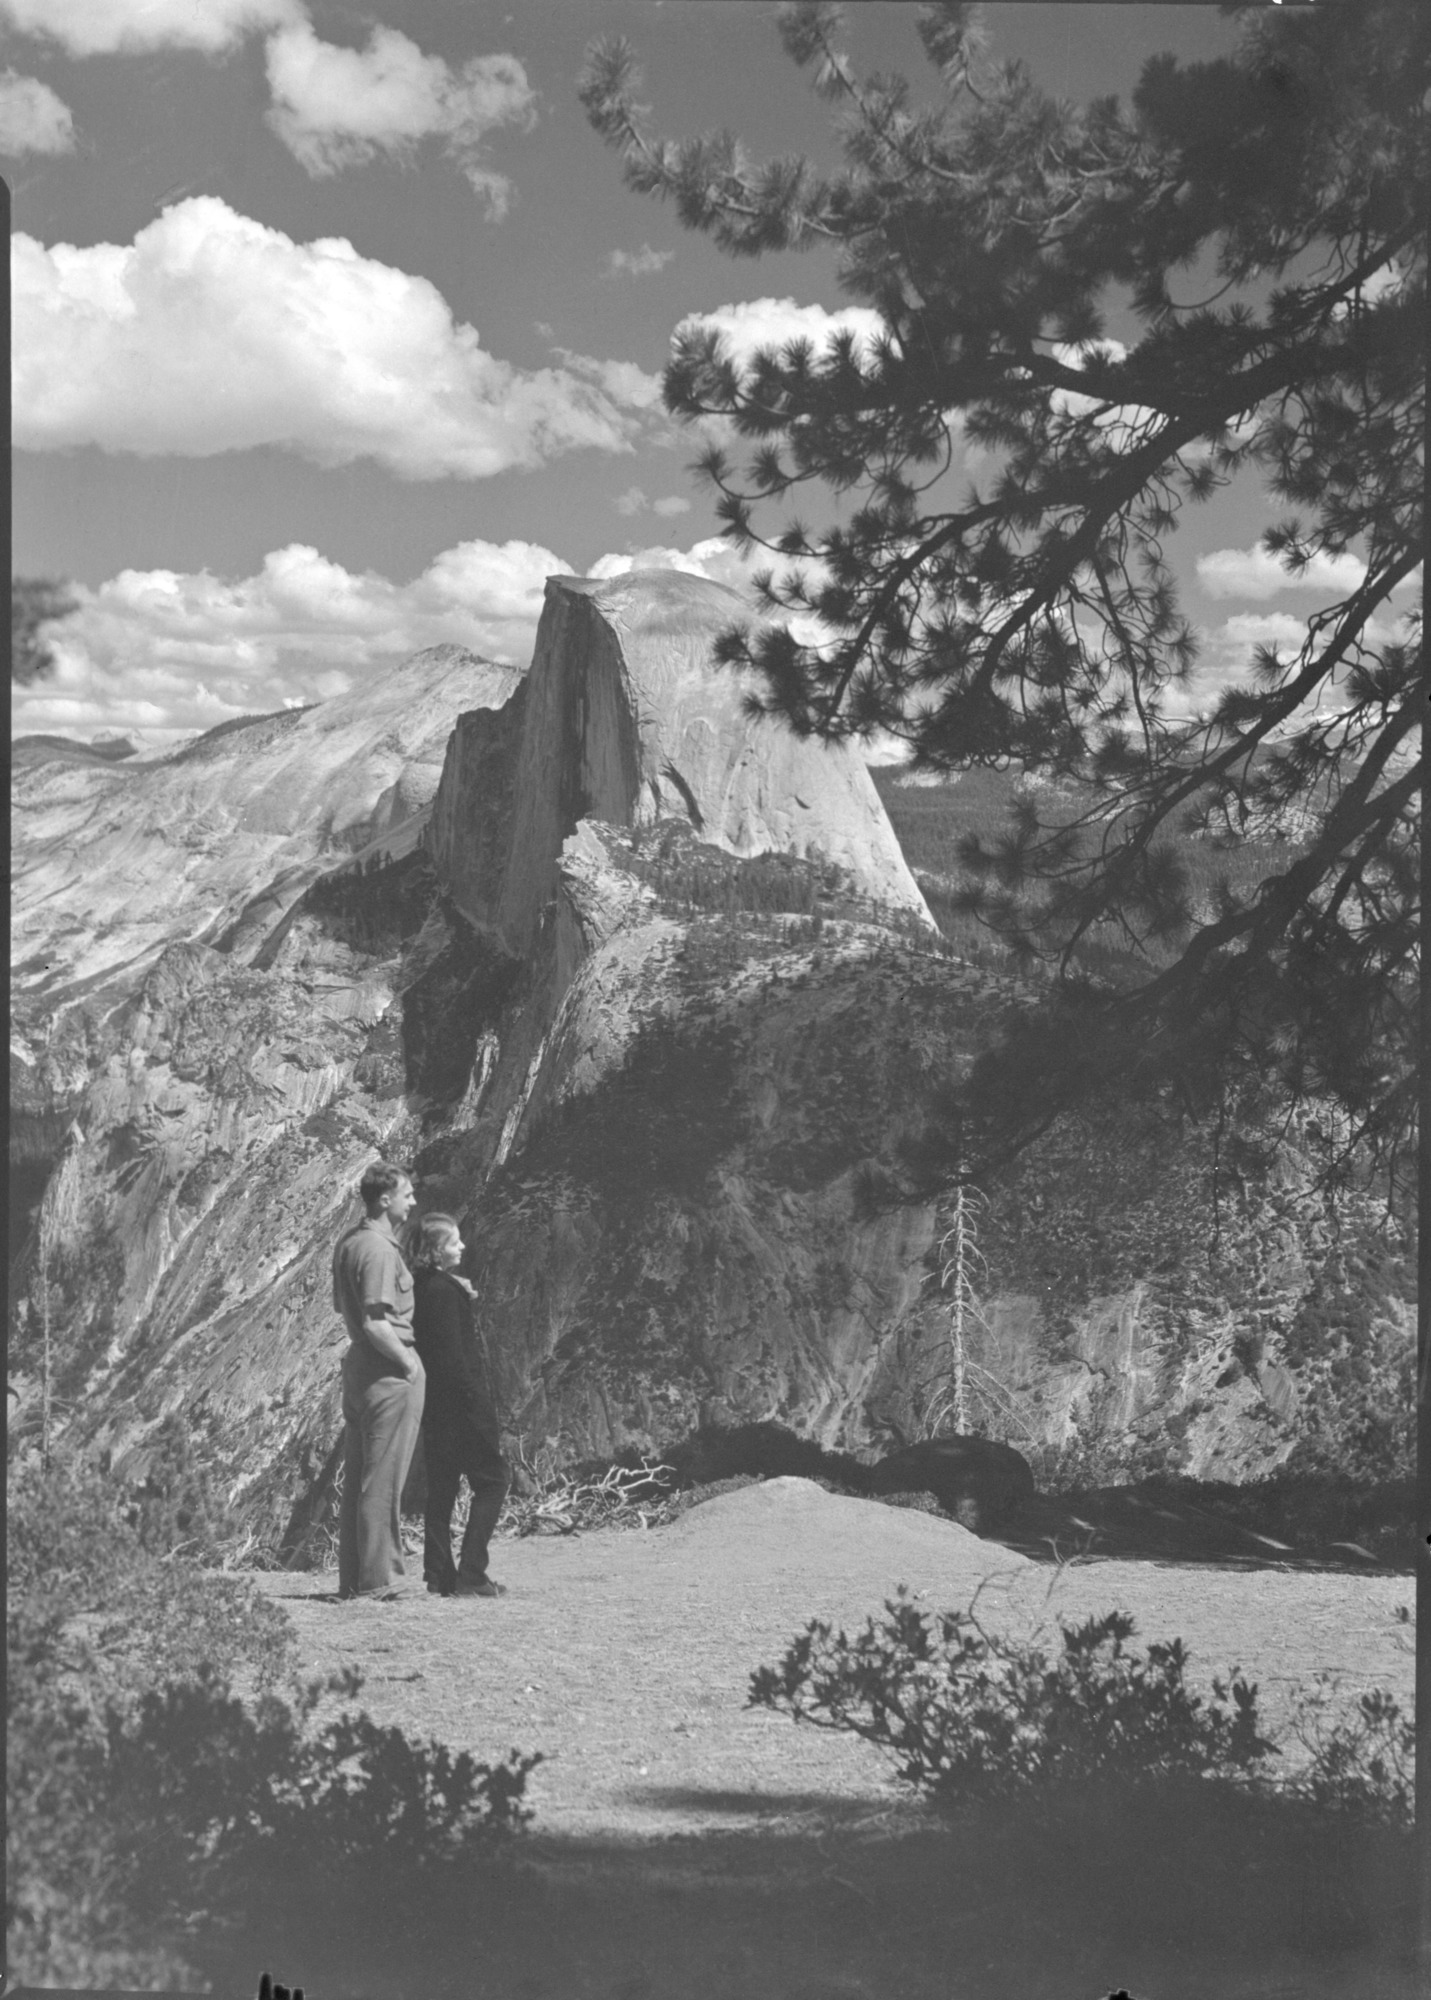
[{"x": 459, "y": 1424}]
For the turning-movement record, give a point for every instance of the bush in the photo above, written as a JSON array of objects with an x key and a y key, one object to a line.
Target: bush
[
  {"x": 969, "y": 1715},
  {"x": 175, "y": 1504},
  {"x": 95, "y": 1598},
  {"x": 215, "y": 1789},
  {"x": 148, "y": 1799},
  {"x": 195, "y": 1808},
  {"x": 1362, "y": 1762},
  {"x": 972, "y": 1717}
]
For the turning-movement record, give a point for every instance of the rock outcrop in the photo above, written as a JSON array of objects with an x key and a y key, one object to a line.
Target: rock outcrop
[
  {"x": 624, "y": 722},
  {"x": 644, "y": 991},
  {"x": 115, "y": 861}
]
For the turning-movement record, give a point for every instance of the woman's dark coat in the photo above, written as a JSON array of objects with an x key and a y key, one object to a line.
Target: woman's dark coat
[{"x": 443, "y": 1330}]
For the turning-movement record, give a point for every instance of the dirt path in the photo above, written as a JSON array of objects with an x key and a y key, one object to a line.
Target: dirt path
[{"x": 625, "y": 1657}]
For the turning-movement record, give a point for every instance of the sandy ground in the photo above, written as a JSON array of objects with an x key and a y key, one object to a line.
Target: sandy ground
[{"x": 625, "y": 1657}]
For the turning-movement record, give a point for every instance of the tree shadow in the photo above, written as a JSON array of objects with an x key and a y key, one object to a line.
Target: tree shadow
[
  {"x": 1183, "y": 1894},
  {"x": 759, "y": 1805},
  {"x": 1291, "y": 1525}
]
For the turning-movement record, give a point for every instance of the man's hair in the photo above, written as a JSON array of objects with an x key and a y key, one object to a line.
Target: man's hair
[
  {"x": 425, "y": 1238},
  {"x": 378, "y": 1183}
]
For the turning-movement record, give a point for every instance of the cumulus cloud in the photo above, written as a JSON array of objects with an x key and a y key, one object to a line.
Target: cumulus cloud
[
  {"x": 337, "y": 107},
  {"x": 1225, "y": 659},
  {"x": 211, "y": 333},
  {"x": 721, "y": 562},
  {"x": 1256, "y": 573},
  {"x": 32, "y": 118},
  {"x": 1247, "y": 629},
  {"x": 640, "y": 263},
  {"x": 127, "y": 27},
  {"x": 1226, "y": 653},
  {"x": 754, "y": 324},
  {"x": 623, "y": 381},
  {"x": 1078, "y": 355},
  {"x": 1386, "y": 282},
  {"x": 158, "y": 655},
  {"x": 715, "y": 558},
  {"x": 1124, "y": 425},
  {"x": 634, "y": 501},
  {"x": 1128, "y": 424}
]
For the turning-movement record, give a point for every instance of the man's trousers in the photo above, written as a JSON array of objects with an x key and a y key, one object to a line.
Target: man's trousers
[
  {"x": 452, "y": 1449},
  {"x": 382, "y": 1414}
]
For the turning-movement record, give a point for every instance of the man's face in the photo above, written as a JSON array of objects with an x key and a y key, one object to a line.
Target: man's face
[{"x": 398, "y": 1205}]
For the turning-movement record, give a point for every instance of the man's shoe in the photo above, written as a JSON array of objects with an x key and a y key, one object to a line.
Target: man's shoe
[
  {"x": 486, "y": 1588},
  {"x": 439, "y": 1589}
]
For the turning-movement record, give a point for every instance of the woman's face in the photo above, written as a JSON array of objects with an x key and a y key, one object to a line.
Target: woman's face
[{"x": 449, "y": 1251}]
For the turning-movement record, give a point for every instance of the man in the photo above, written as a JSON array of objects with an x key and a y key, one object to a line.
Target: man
[{"x": 383, "y": 1385}]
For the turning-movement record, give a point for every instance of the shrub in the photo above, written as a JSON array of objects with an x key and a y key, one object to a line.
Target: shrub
[
  {"x": 969, "y": 1715},
  {"x": 148, "y": 1799},
  {"x": 94, "y": 1598},
  {"x": 194, "y": 1807},
  {"x": 216, "y": 1788},
  {"x": 96, "y": 1617},
  {"x": 176, "y": 1504},
  {"x": 1362, "y": 1761}
]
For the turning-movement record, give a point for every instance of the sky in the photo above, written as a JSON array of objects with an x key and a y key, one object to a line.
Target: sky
[{"x": 336, "y": 332}]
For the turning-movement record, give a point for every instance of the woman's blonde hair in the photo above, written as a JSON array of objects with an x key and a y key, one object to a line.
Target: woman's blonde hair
[{"x": 425, "y": 1238}]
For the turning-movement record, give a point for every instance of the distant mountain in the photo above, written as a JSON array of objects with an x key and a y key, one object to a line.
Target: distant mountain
[
  {"x": 30, "y": 750},
  {"x": 933, "y": 814}
]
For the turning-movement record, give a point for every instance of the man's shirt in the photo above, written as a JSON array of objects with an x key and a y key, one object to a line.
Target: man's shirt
[{"x": 368, "y": 1271}]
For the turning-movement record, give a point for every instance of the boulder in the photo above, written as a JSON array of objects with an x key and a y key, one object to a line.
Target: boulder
[
  {"x": 761, "y": 1451},
  {"x": 982, "y": 1483}
]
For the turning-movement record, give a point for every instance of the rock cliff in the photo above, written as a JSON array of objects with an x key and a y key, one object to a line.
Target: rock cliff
[
  {"x": 114, "y": 861},
  {"x": 625, "y": 722},
  {"x": 644, "y": 990}
]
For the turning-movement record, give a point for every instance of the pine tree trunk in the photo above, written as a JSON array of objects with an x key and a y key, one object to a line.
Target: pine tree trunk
[
  {"x": 961, "y": 1281},
  {"x": 44, "y": 1353}
]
